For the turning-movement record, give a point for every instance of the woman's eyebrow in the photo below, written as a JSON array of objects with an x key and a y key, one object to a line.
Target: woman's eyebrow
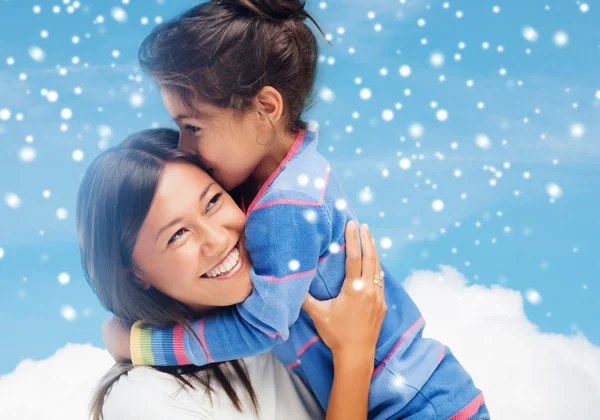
[
  {"x": 206, "y": 190},
  {"x": 178, "y": 219}
]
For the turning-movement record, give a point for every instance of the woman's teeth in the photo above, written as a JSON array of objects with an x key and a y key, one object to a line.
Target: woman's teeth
[{"x": 226, "y": 266}]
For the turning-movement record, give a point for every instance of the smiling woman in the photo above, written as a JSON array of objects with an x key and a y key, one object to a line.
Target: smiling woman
[{"x": 121, "y": 213}]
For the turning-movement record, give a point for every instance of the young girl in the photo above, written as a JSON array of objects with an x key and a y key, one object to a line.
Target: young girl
[{"x": 236, "y": 76}]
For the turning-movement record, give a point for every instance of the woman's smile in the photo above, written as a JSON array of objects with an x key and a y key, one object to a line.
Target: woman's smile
[{"x": 228, "y": 267}]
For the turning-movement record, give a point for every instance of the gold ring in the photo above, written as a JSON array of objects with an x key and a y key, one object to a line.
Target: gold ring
[
  {"x": 379, "y": 278},
  {"x": 378, "y": 283}
]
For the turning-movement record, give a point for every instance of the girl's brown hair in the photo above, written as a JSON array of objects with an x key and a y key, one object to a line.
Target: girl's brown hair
[
  {"x": 114, "y": 199},
  {"x": 224, "y": 52}
]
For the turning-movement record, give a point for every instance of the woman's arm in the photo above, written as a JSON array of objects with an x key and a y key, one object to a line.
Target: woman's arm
[{"x": 350, "y": 325}]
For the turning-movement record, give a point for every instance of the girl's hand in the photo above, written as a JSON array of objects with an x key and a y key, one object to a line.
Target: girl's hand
[
  {"x": 116, "y": 339},
  {"x": 350, "y": 323}
]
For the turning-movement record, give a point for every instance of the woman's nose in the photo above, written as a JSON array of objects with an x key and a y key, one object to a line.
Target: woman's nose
[{"x": 214, "y": 242}]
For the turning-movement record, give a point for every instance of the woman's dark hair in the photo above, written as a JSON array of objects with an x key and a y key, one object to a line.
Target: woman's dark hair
[
  {"x": 113, "y": 201},
  {"x": 224, "y": 52}
]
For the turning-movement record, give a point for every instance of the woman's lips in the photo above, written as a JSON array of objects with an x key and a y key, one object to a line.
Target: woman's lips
[{"x": 237, "y": 267}]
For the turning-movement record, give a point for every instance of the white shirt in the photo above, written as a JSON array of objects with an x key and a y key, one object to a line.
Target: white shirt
[{"x": 145, "y": 393}]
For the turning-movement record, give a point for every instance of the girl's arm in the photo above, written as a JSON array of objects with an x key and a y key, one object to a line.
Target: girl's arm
[{"x": 350, "y": 325}]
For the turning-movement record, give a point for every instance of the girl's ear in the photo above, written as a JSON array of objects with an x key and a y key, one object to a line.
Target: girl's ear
[{"x": 269, "y": 104}]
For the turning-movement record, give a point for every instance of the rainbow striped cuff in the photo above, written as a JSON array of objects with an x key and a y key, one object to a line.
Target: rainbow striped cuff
[{"x": 140, "y": 344}]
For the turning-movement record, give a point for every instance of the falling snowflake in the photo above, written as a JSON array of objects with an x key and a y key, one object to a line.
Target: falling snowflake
[
  {"x": 483, "y": 142},
  {"x": 416, "y": 130},
  {"x": 405, "y": 71},
  {"x": 327, "y": 95},
  {"x": 441, "y": 115},
  {"x": 365, "y": 195},
  {"x": 64, "y": 278},
  {"x": 68, "y": 313},
  {"x": 62, "y": 213},
  {"x": 66, "y": 114},
  {"x": 437, "y": 205},
  {"x": 437, "y": 59},
  {"x": 387, "y": 115},
  {"x": 529, "y": 34},
  {"x": 577, "y": 130},
  {"x": 405, "y": 163},
  {"x": 119, "y": 14},
  {"x": 12, "y": 200},
  {"x": 561, "y": 39},
  {"x": 37, "y": 54},
  {"x": 294, "y": 265},
  {"x": 533, "y": 296},
  {"x": 554, "y": 191},
  {"x": 77, "y": 155},
  {"x": 136, "y": 100},
  {"x": 5, "y": 114},
  {"x": 365, "y": 94},
  {"x": 27, "y": 154},
  {"x": 386, "y": 243}
]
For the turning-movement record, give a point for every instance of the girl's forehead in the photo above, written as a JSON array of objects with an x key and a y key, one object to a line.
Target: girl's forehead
[{"x": 179, "y": 109}]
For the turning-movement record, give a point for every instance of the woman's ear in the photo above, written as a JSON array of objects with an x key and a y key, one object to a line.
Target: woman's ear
[
  {"x": 269, "y": 104},
  {"x": 135, "y": 277}
]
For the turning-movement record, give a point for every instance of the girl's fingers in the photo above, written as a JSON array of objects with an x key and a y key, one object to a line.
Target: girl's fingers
[
  {"x": 369, "y": 257},
  {"x": 353, "y": 263}
]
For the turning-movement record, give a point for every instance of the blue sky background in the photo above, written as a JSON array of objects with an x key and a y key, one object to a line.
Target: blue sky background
[{"x": 536, "y": 101}]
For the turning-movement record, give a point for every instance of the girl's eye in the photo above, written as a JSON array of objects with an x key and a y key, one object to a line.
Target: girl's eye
[
  {"x": 214, "y": 201},
  {"x": 177, "y": 235},
  {"x": 192, "y": 129}
]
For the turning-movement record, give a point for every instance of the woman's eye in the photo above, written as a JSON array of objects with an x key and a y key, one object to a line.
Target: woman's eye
[
  {"x": 213, "y": 201},
  {"x": 192, "y": 129},
  {"x": 177, "y": 235}
]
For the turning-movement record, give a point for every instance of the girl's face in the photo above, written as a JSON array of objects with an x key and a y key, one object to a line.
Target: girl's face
[
  {"x": 231, "y": 146},
  {"x": 191, "y": 245}
]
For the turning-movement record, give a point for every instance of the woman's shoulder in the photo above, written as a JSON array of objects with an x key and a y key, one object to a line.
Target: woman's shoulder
[{"x": 147, "y": 393}]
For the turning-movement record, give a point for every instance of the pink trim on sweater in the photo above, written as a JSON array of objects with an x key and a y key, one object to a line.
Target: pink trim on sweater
[
  {"x": 287, "y": 201},
  {"x": 299, "y": 202},
  {"x": 293, "y": 365},
  {"x": 404, "y": 336},
  {"x": 273, "y": 335},
  {"x": 290, "y": 154},
  {"x": 290, "y": 276},
  {"x": 203, "y": 341},
  {"x": 178, "y": 347},
  {"x": 307, "y": 345},
  {"x": 470, "y": 409},
  {"x": 442, "y": 353},
  {"x": 327, "y": 173}
]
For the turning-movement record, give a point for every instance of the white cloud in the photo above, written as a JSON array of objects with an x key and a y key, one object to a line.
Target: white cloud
[
  {"x": 525, "y": 374},
  {"x": 58, "y": 388}
]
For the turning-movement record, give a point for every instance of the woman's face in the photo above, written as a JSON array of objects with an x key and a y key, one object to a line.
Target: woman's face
[
  {"x": 227, "y": 143},
  {"x": 191, "y": 245}
]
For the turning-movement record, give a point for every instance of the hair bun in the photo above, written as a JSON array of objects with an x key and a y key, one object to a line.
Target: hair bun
[{"x": 273, "y": 9}]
